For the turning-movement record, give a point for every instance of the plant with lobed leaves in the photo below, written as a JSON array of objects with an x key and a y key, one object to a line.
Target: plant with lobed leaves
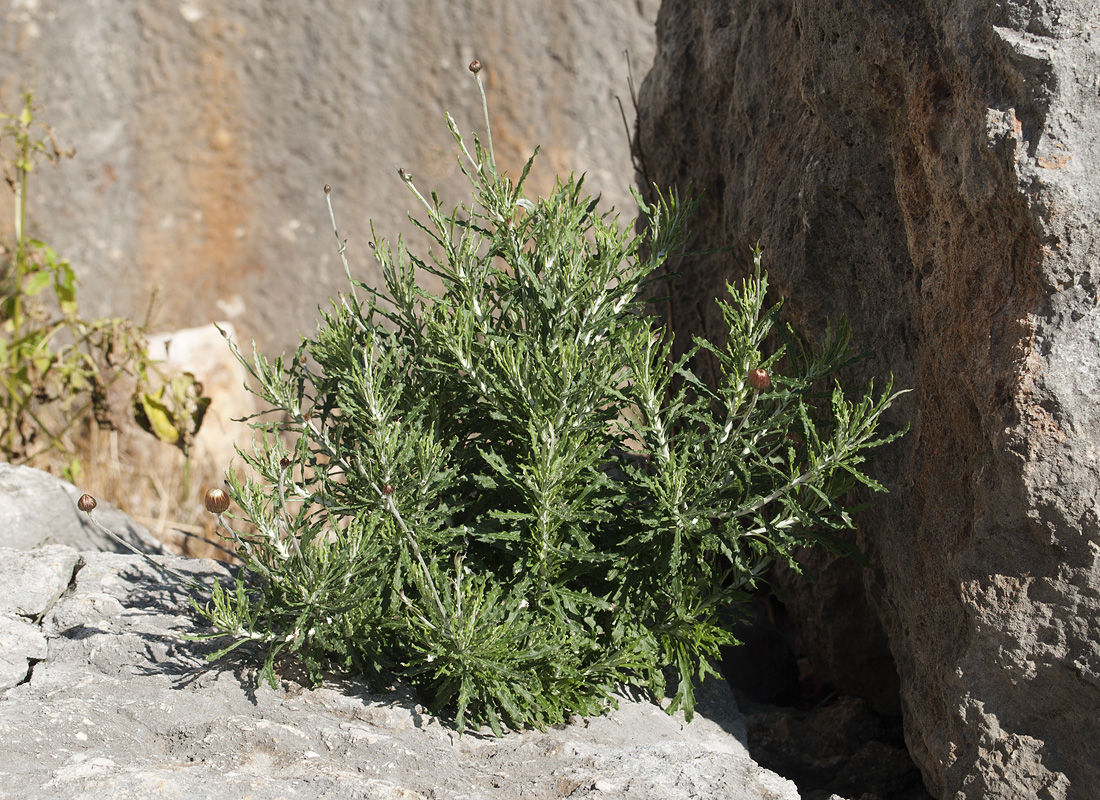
[{"x": 510, "y": 495}]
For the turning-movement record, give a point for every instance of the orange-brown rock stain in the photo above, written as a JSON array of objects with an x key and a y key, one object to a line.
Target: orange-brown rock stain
[{"x": 194, "y": 180}]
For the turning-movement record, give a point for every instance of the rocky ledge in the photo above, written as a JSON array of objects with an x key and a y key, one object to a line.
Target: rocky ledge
[{"x": 103, "y": 698}]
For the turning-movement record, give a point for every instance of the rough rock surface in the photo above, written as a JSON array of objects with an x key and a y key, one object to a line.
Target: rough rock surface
[
  {"x": 206, "y": 130},
  {"x": 37, "y": 508},
  {"x": 928, "y": 171},
  {"x": 30, "y": 584},
  {"x": 118, "y": 706}
]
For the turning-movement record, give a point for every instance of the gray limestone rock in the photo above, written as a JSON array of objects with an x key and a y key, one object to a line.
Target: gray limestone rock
[
  {"x": 20, "y": 643},
  {"x": 929, "y": 171},
  {"x": 205, "y": 132},
  {"x": 37, "y": 508},
  {"x": 30, "y": 583},
  {"x": 120, "y": 706}
]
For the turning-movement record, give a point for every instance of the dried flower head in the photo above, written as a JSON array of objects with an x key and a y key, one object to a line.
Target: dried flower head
[
  {"x": 475, "y": 66},
  {"x": 759, "y": 379},
  {"x": 327, "y": 188},
  {"x": 217, "y": 501},
  {"x": 86, "y": 503},
  {"x": 387, "y": 490}
]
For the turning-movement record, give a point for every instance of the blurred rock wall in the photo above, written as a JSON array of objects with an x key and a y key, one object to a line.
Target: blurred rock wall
[{"x": 206, "y": 130}]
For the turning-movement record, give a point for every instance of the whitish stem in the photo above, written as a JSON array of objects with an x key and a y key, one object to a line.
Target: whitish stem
[
  {"x": 488, "y": 128},
  {"x": 392, "y": 508},
  {"x": 191, "y": 582},
  {"x": 342, "y": 245}
]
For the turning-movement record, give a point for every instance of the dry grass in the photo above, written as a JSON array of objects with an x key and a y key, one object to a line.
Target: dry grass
[{"x": 152, "y": 482}]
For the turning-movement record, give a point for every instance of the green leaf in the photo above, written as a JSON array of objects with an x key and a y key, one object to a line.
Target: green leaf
[
  {"x": 65, "y": 288},
  {"x": 74, "y": 471},
  {"x": 35, "y": 283},
  {"x": 155, "y": 417}
]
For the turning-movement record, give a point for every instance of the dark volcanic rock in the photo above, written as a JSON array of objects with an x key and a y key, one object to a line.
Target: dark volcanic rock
[{"x": 928, "y": 171}]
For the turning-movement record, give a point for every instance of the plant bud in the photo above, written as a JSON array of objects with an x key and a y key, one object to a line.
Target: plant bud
[
  {"x": 327, "y": 188},
  {"x": 284, "y": 462},
  {"x": 217, "y": 501},
  {"x": 387, "y": 490},
  {"x": 86, "y": 503},
  {"x": 404, "y": 175},
  {"x": 475, "y": 66},
  {"x": 759, "y": 379}
]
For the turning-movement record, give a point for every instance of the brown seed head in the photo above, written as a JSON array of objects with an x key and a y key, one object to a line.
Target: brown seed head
[
  {"x": 86, "y": 503},
  {"x": 475, "y": 66},
  {"x": 284, "y": 462},
  {"x": 327, "y": 188},
  {"x": 387, "y": 490},
  {"x": 217, "y": 501},
  {"x": 759, "y": 379}
]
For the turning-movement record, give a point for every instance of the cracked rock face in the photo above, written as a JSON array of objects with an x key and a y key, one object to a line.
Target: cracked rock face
[
  {"x": 929, "y": 172},
  {"x": 30, "y": 584},
  {"x": 110, "y": 702}
]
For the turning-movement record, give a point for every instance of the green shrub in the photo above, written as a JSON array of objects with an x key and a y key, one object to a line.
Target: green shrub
[{"x": 510, "y": 495}]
